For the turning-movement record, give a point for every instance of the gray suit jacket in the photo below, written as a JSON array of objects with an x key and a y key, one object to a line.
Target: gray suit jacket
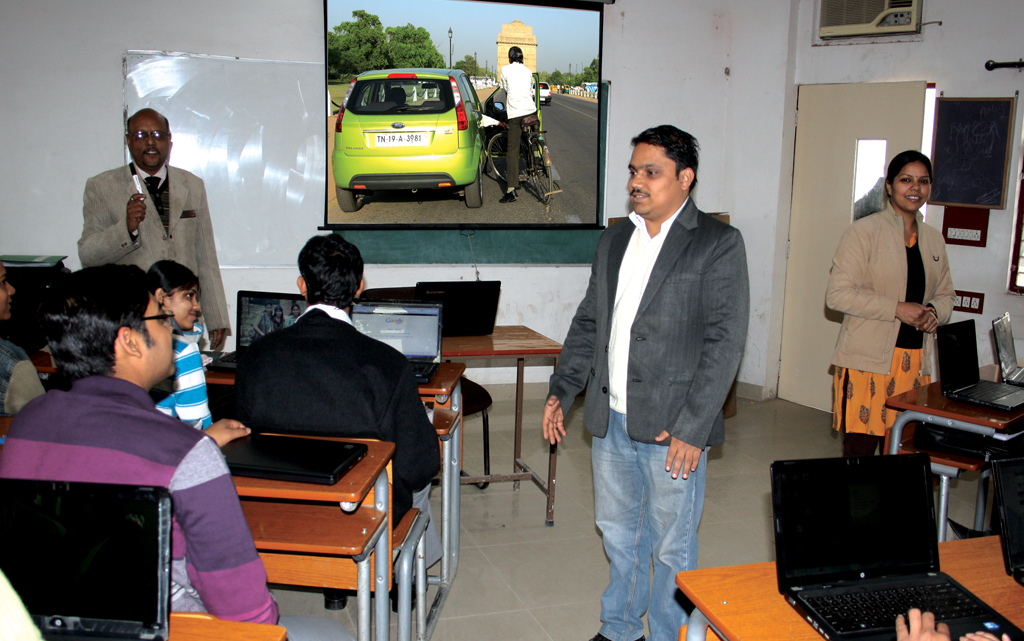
[
  {"x": 105, "y": 238},
  {"x": 685, "y": 342}
]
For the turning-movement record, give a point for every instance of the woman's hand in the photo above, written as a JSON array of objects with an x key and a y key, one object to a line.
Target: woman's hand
[
  {"x": 918, "y": 316},
  {"x": 226, "y": 430}
]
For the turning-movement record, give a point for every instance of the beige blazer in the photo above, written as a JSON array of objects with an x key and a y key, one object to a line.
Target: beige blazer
[
  {"x": 189, "y": 241},
  {"x": 868, "y": 279}
]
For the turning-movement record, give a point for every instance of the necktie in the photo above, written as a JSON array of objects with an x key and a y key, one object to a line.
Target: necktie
[{"x": 153, "y": 183}]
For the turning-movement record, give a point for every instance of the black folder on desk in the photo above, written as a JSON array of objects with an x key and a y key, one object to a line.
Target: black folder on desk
[{"x": 289, "y": 458}]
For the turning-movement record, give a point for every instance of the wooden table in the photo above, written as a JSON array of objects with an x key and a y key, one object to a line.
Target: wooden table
[
  {"x": 928, "y": 405},
  {"x": 520, "y": 343},
  {"x": 305, "y": 538},
  {"x": 187, "y": 627},
  {"x": 743, "y": 601}
]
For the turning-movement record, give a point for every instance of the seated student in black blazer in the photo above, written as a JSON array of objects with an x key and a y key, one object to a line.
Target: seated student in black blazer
[{"x": 321, "y": 377}]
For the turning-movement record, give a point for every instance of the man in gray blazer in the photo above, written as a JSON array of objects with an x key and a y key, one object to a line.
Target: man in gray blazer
[
  {"x": 658, "y": 338},
  {"x": 150, "y": 211}
]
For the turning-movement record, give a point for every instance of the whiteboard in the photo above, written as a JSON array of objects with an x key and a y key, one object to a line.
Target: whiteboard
[{"x": 255, "y": 131}]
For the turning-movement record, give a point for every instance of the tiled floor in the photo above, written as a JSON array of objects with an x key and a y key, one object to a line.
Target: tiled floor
[{"x": 518, "y": 579}]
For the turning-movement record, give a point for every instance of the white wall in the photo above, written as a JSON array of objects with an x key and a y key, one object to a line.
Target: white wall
[
  {"x": 667, "y": 63},
  {"x": 952, "y": 56},
  {"x": 61, "y": 88}
]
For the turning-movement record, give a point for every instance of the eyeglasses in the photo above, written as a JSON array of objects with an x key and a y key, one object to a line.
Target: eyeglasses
[
  {"x": 157, "y": 136},
  {"x": 164, "y": 317}
]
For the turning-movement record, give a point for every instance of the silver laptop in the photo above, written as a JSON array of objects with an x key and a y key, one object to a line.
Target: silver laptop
[
  {"x": 1007, "y": 353},
  {"x": 90, "y": 561},
  {"x": 412, "y": 328}
]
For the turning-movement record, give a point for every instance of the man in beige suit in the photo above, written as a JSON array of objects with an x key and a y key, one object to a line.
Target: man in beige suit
[{"x": 161, "y": 216}]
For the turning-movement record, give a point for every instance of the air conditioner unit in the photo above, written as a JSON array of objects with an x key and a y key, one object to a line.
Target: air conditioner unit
[{"x": 849, "y": 18}]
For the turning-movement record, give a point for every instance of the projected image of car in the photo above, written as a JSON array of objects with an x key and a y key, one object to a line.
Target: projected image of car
[{"x": 408, "y": 129}]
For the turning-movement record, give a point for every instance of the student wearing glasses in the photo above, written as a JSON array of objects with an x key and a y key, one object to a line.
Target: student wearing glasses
[{"x": 150, "y": 211}]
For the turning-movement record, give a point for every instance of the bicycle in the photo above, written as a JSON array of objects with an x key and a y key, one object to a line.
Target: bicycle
[{"x": 533, "y": 151}]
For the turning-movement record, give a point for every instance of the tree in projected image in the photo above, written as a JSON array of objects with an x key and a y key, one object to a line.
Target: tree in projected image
[
  {"x": 365, "y": 45},
  {"x": 411, "y": 46}
]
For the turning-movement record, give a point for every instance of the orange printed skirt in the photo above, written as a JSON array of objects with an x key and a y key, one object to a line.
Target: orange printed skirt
[{"x": 865, "y": 393}]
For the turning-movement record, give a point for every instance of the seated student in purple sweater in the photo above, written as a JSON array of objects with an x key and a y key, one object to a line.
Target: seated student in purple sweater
[{"x": 109, "y": 336}]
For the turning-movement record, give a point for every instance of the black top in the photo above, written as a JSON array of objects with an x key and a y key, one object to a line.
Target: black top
[{"x": 909, "y": 337}]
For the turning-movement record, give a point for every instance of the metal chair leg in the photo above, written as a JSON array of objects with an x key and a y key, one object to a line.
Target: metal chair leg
[{"x": 487, "y": 450}]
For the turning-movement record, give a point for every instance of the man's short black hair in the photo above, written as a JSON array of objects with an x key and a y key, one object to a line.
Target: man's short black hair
[
  {"x": 128, "y": 123},
  {"x": 680, "y": 146},
  {"x": 332, "y": 268},
  {"x": 83, "y": 312},
  {"x": 515, "y": 54}
]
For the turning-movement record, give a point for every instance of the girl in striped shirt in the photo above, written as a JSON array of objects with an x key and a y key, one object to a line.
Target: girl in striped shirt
[{"x": 176, "y": 289}]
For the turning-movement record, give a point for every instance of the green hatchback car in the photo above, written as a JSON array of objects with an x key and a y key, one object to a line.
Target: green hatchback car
[{"x": 409, "y": 129}]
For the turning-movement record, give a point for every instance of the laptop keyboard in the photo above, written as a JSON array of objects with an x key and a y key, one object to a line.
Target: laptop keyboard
[
  {"x": 421, "y": 368},
  {"x": 993, "y": 392},
  {"x": 877, "y": 610},
  {"x": 231, "y": 357}
]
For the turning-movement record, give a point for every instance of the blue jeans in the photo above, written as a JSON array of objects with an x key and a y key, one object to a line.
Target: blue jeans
[{"x": 644, "y": 516}]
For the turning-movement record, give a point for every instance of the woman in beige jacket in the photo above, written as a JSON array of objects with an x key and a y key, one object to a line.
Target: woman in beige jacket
[{"x": 890, "y": 278}]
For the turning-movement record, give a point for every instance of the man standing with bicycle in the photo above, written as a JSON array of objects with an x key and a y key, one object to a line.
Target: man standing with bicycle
[{"x": 517, "y": 82}]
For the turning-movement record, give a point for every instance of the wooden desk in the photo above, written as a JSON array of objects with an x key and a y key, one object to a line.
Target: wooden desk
[
  {"x": 305, "y": 538},
  {"x": 743, "y": 601},
  {"x": 928, "y": 405},
  {"x": 519, "y": 342},
  {"x": 186, "y": 627}
]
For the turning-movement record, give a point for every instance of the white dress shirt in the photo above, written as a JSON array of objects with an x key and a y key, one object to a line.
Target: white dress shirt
[
  {"x": 634, "y": 272},
  {"x": 517, "y": 82}
]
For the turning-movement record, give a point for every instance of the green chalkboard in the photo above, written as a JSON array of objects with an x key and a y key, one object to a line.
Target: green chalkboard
[{"x": 431, "y": 246}]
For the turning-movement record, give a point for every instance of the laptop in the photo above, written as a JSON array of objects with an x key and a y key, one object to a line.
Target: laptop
[
  {"x": 413, "y": 328},
  {"x": 1008, "y": 476},
  {"x": 89, "y": 561},
  {"x": 855, "y": 545},
  {"x": 288, "y": 458},
  {"x": 257, "y": 314},
  {"x": 470, "y": 306},
  {"x": 958, "y": 366},
  {"x": 1012, "y": 374}
]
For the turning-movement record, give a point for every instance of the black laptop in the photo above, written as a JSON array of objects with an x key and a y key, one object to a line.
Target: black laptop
[
  {"x": 470, "y": 306},
  {"x": 413, "y": 328},
  {"x": 258, "y": 314},
  {"x": 89, "y": 561},
  {"x": 1008, "y": 478},
  {"x": 855, "y": 545},
  {"x": 289, "y": 458},
  {"x": 958, "y": 367}
]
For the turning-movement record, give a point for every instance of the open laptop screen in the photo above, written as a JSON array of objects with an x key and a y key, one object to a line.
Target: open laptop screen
[
  {"x": 1004, "y": 345},
  {"x": 853, "y": 518},
  {"x": 260, "y": 313},
  {"x": 99, "y": 553},
  {"x": 412, "y": 328}
]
